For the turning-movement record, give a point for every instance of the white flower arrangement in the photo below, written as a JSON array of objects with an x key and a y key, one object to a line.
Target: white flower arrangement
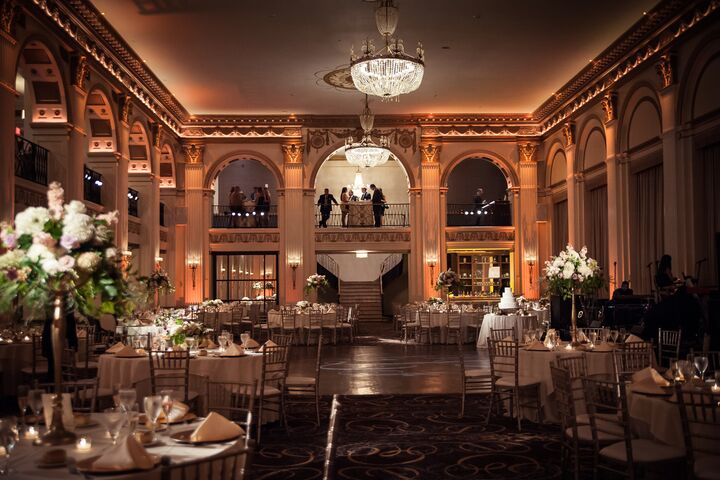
[
  {"x": 572, "y": 271},
  {"x": 211, "y": 303},
  {"x": 303, "y": 304},
  {"x": 315, "y": 282},
  {"x": 435, "y": 301},
  {"x": 448, "y": 280}
]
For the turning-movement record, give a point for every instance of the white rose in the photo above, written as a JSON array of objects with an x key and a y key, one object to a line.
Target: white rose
[
  {"x": 79, "y": 226},
  {"x": 585, "y": 271},
  {"x": 88, "y": 261},
  {"x": 31, "y": 220},
  {"x": 110, "y": 253},
  {"x": 75, "y": 206},
  {"x": 51, "y": 266},
  {"x": 38, "y": 251},
  {"x": 568, "y": 271}
]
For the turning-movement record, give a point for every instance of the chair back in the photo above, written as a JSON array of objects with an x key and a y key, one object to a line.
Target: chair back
[
  {"x": 170, "y": 370},
  {"x": 503, "y": 333},
  {"x": 424, "y": 319},
  {"x": 289, "y": 319},
  {"x": 331, "y": 446},
  {"x": 341, "y": 314},
  {"x": 454, "y": 320},
  {"x": 254, "y": 312},
  {"x": 576, "y": 366},
  {"x": 37, "y": 356},
  {"x": 564, "y": 398},
  {"x": 228, "y": 465},
  {"x": 316, "y": 318},
  {"x": 317, "y": 360},
  {"x": 700, "y": 416},
  {"x": 627, "y": 361},
  {"x": 86, "y": 332},
  {"x": 668, "y": 346},
  {"x": 283, "y": 340},
  {"x": 274, "y": 366},
  {"x": 503, "y": 359},
  {"x": 235, "y": 401}
]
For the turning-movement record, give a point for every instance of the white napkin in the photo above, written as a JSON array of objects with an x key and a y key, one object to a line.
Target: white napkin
[
  {"x": 216, "y": 428},
  {"x": 116, "y": 348},
  {"x": 127, "y": 454},
  {"x": 538, "y": 346},
  {"x": 127, "y": 351},
  {"x": 233, "y": 351},
  {"x": 67, "y": 413},
  {"x": 633, "y": 339},
  {"x": 250, "y": 343},
  {"x": 650, "y": 375},
  {"x": 209, "y": 344},
  {"x": 179, "y": 410},
  {"x": 269, "y": 343}
]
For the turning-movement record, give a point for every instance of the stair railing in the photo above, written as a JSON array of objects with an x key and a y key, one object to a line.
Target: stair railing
[
  {"x": 329, "y": 264},
  {"x": 390, "y": 262}
]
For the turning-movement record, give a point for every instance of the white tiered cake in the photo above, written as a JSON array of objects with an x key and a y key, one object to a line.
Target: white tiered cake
[{"x": 507, "y": 301}]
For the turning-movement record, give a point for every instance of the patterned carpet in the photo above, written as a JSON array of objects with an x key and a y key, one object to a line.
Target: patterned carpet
[{"x": 409, "y": 437}]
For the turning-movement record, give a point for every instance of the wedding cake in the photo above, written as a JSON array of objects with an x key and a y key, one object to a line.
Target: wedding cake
[{"x": 507, "y": 301}]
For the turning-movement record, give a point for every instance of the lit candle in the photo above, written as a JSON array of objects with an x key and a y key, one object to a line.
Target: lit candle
[
  {"x": 31, "y": 434},
  {"x": 568, "y": 346},
  {"x": 715, "y": 388},
  {"x": 26, "y": 339},
  {"x": 84, "y": 444}
]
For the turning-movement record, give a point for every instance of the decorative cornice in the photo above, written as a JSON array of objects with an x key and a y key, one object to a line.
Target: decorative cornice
[
  {"x": 218, "y": 236},
  {"x": 404, "y": 138},
  {"x": 609, "y": 106},
  {"x": 362, "y": 236},
  {"x": 254, "y": 132},
  {"x": 476, "y": 235}
]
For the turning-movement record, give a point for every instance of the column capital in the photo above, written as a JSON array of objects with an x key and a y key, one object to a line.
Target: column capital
[
  {"x": 527, "y": 151},
  {"x": 79, "y": 71},
  {"x": 665, "y": 67},
  {"x": 292, "y": 152},
  {"x": 579, "y": 177},
  {"x": 430, "y": 152},
  {"x": 569, "y": 133},
  {"x": 126, "y": 108},
  {"x": 514, "y": 190},
  {"x": 156, "y": 130},
  {"x": 193, "y": 152},
  {"x": 609, "y": 106}
]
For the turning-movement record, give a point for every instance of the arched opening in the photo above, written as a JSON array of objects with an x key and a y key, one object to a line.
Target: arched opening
[
  {"x": 100, "y": 123},
  {"x": 245, "y": 195},
  {"x": 478, "y": 194},
  {"x": 390, "y": 179},
  {"x": 139, "y": 150},
  {"x": 167, "y": 167}
]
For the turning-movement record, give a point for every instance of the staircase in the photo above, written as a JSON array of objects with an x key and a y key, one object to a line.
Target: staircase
[{"x": 367, "y": 295}]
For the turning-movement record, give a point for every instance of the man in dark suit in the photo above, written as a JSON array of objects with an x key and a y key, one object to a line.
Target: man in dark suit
[
  {"x": 365, "y": 197},
  {"x": 326, "y": 204},
  {"x": 377, "y": 205}
]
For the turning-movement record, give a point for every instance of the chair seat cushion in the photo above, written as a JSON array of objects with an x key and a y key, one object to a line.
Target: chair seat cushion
[
  {"x": 313, "y": 327},
  {"x": 268, "y": 391},
  {"x": 643, "y": 450},
  {"x": 292, "y": 381},
  {"x": 477, "y": 372},
  {"x": 707, "y": 467},
  {"x": 522, "y": 381},
  {"x": 585, "y": 435}
]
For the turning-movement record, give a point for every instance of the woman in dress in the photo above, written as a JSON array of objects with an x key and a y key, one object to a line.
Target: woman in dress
[{"x": 344, "y": 205}]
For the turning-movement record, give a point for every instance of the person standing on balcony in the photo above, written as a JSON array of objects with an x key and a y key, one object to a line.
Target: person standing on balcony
[
  {"x": 344, "y": 205},
  {"x": 261, "y": 207},
  {"x": 235, "y": 200},
  {"x": 326, "y": 204},
  {"x": 479, "y": 201},
  {"x": 378, "y": 204},
  {"x": 365, "y": 197}
]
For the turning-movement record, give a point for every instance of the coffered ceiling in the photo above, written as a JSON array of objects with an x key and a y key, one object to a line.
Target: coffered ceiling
[{"x": 258, "y": 57}]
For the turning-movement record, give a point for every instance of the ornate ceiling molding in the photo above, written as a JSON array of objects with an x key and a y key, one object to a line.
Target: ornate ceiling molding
[
  {"x": 363, "y": 236},
  {"x": 405, "y": 138}
]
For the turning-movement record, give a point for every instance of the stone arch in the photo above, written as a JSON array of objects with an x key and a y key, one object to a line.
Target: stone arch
[
  {"x": 640, "y": 99},
  {"x": 100, "y": 121},
  {"x": 167, "y": 166},
  {"x": 326, "y": 153},
  {"x": 588, "y": 133},
  {"x": 555, "y": 148},
  {"x": 706, "y": 57},
  {"x": 505, "y": 166},
  {"x": 219, "y": 165},
  {"x": 43, "y": 82},
  {"x": 139, "y": 148}
]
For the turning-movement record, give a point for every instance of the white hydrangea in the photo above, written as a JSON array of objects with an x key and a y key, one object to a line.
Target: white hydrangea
[
  {"x": 568, "y": 270},
  {"x": 110, "y": 253},
  {"x": 75, "y": 206},
  {"x": 79, "y": 225},
  {"x": 11, "y": 259},
  {"x": 38, "y": 252},
  {"x": 53, "y": 266},
  {"x": 31, "y": 220},
  {"x": 88, "y": 261}
]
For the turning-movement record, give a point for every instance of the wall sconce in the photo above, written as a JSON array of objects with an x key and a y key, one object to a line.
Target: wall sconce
[
  {"x": 530, "y": 260},
  {"x": 294, "y": 264},
  {"x": 193, "y": 263},
  {"x": 431, "y": 262},
  {"x": 158, "y": 263}
]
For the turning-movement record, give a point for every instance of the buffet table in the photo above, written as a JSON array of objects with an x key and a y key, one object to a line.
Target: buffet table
[{"x": 518, "y": 322}]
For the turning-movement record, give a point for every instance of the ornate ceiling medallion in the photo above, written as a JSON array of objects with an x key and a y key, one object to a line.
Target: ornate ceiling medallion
[{"x": 340, "y": 78}]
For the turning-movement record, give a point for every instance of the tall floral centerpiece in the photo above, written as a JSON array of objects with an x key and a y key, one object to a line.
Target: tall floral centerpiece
[
  {"x": 448, "y": 281},
  {"x": 572, "y": 272},
  {"x": 314, "y": 283},
  {"x": 60, "y": 258},
  {"x": 158, "y": 283}
]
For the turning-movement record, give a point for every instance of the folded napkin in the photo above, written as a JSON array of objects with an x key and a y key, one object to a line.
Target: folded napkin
[
  {"x": 269, "y": 343},
  {"x": 126, "y": 455},
  {"x": 650, "y": 375},
  {"x": 82, "y": 333},
  {"x": 116, "y": 348},
  {"x": 233, "y": 351},
  {"x": 208, "y": 343},
  {"x": 250, "y": 343},
  {"x": 633, "y": 339},
  {"x": 127, "y": 351},
  {"x": 603, "y": 347},
  {"x": 179, "y": 410},
  {"x": 648, "y": 386},
  {"x": 216, "y": 428},
  {"x": 539, "y": 346}
]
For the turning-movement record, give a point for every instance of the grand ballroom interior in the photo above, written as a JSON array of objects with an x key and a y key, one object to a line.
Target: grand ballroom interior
[{"x": 359, "y": 239}]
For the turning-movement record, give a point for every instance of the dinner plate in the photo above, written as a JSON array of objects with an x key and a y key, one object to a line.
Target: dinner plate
[
  {"x": 86, "y": 466},
  {"x": 186, "y": 418},
  {"x": 52, "y": 465},
  {"x": 184, "y": 437}
]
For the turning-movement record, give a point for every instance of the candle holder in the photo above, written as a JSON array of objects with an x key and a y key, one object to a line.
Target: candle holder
[{"x": 83, "y": 444}]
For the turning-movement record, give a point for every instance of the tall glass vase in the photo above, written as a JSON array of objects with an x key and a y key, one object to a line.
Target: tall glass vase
[
  {"x": 573, "y": 324},
  {"x": 56, "y": 434}
]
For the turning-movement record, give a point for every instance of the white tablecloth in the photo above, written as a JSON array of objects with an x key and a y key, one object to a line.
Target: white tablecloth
[
  {"x": 656, "y": 417},
  {"x": 25, "y": 456},
  {"x": 518, "y": 322},
  {"x": 440, "y": 319},
  {"x": 302, "y": 320}
]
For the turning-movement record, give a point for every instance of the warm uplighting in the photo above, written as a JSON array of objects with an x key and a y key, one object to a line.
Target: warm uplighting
[
  {"x": 432, "y": 262},
  {"x": 530, "y": 260},
  {"x": 294, "y": 263},
  {"x": 361, "y": 254}
]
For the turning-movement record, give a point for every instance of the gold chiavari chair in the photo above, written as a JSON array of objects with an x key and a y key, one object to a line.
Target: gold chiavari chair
[
  {"x": 331, "y": 447},
  {"x": 668, "y": 346},
  {"x": 474, "y": 381},
  {"x": 235, "y": 401},
  {"x": 298, "y": 387},
  {"x": 271, "y": 390},
  {"x": 700, "y": 416}
]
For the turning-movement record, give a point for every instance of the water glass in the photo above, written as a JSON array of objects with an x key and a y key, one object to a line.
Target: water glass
[
  {"x": 126, "y": 398},
  {"x": 22, "y": 399},
  {"x": 593, "y": 338},
  {"x": 153, "y": 407},
  {"x": 614, "y": 335},
  {"x": 701, "y": 363},
  {"x": 244, "y": 337},
  {"x": 9, "y": 437},
  {"x": 35, "y": 402},
  {"x": 113, "y": 419}
]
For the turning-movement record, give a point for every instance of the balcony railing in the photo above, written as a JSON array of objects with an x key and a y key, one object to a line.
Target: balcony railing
[
  {"x": 492, "y": 214},
  {"x": 31, "y": 161},
  {"x": 362, "y": 214},
  {"x": 247, "y": 216}
]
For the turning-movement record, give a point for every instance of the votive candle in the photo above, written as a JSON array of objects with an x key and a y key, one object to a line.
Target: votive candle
[
  {"x": 32, "y": 433},
  {"x": 84, "y": 444}
]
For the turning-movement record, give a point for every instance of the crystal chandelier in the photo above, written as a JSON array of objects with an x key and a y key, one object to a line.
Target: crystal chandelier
[
  {"x": 388, "y": 72},
  {"x": 366, "y": 153}
]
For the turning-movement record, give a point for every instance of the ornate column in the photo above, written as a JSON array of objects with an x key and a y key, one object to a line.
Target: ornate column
[
  {"x": 77, "y": 145},
  {"x": 8, "y": 47},
  {"x": 517, "y": 265},
  {"x": 434, "y": 258},
  {"x": 574, "y": 210},
  {"x": 298, "y": 258},
  {"x": 123, "y": 158},
  {"x": 194, "y": 234},
  {"x": 526, "y": 231},
  {"x": 613, "y": 270},
  {"x": 416, "y": 259}
]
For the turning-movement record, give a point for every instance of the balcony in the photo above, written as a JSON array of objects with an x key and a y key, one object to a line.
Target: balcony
[
  {"x": 31, "y": 161},
  {"x": 493, "y": 214},
  {"x": 133, "y": 202},
  {"x": 360, "y": 215},
  {"x": 225, "y": 216},
  {"x": 92, "y": 186}
]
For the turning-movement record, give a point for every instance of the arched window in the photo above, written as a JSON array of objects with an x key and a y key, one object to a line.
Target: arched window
[{"x": 477, "y": 195}]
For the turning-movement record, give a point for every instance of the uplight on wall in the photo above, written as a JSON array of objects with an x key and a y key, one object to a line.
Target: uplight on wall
[
  {"x": 361, "y": 254},
  {"x": 294, "y": 263}
]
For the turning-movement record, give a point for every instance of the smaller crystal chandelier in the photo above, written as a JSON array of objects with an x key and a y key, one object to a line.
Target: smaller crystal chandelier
[
  {"x": 366, "y": 153},
  {"x": 388, "y": 72}
]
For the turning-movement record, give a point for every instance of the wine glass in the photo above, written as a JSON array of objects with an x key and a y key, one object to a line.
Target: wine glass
[
  {"x": 22, "y": 399},
  {"x": 153, "y": 407},
  {"x": 190, "y": 342},
  {"x": 167, "y": 405},
  {"x": 701, "y": 363},
  {"x": 9, "y": 437},
  {"x": 35, "y": 402},
  {"x": 113, "y": 419},
  {"x": 133, "y": 413},
  {"x": 244, "y": 337},
  {"x": 614, "y": 335},
  {"x": 593, "y": 339},
  {"x": 126, "y": 398}
]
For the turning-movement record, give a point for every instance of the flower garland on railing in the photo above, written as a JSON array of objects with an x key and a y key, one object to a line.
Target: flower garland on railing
[
  {"x": 64, "y": 250},
  {"x": 315, "y": 282},
  {"x": 573, "y": 272}
]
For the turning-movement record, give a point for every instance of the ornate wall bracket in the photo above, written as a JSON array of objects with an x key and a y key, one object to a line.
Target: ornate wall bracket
[
  {"x": 430, "y": 152},
  {"x": 527, "y": 151},
  {"x": 609, "y": 106},
  {"x": 292, "y": 152},
  {"x": 666, "y": 69},
  {"x": 569, "y": 133}
]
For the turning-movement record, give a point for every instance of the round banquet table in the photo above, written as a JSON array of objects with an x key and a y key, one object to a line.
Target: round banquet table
[
  {"x": 656, "y": 417},
  {"x": 518, "y": 322},
  {"x": 439, "y": 320},
  {"x": 302, "y": 321},
  {"x": 127, "y": 372},
  {"x": 536, "y": 365},
  {"x": 25, "y": 455}
]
